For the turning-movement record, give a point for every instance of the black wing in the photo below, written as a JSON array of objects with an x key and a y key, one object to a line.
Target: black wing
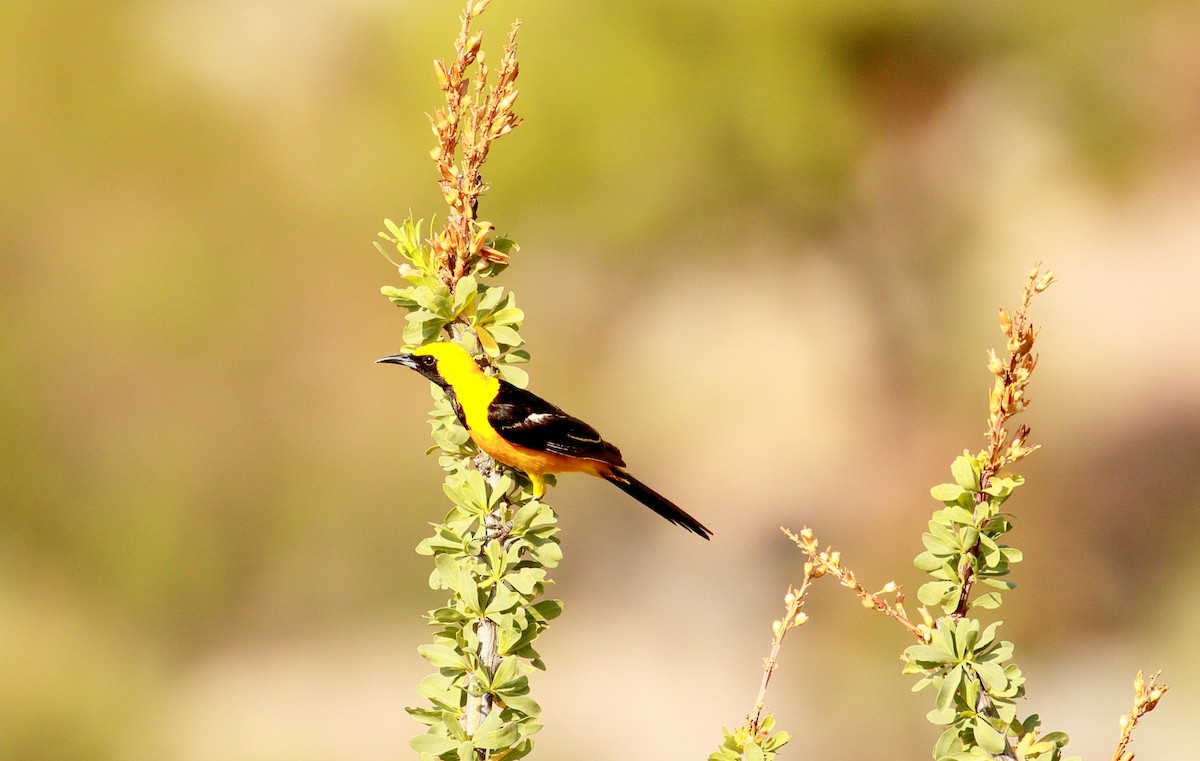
[{"x": 530, "y": 421}]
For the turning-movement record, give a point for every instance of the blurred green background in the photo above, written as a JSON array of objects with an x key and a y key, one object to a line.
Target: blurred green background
[{"x": 762, "y": 248}]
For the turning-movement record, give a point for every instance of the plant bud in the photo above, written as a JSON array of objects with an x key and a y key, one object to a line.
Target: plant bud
[
  {"x": 1026, "y": 342},
  {"x": 800, "y": 619},
  {"x": 995, "y": 364},
  {"x": 889, "y": 587},
  {"x": 776, "y": 626},
  {"x": 474, "y": 43}
]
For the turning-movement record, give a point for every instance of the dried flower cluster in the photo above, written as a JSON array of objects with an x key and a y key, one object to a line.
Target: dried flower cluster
[
  {"x": 1146, "y": 695},
  {"x": 1007, "y": 397},
  {"x": 471, "y": 120}
]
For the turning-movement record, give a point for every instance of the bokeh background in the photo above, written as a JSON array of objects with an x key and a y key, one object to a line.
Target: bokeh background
[{"x": 763, "y": 244}]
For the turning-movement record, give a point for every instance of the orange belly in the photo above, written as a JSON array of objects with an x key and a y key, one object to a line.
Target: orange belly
[{"x": 531, "y": 461}]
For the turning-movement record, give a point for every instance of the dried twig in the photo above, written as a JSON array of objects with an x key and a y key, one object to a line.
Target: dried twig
[
  {"x": 829, "y": 561},
  {"x": 793, "y": 617}
]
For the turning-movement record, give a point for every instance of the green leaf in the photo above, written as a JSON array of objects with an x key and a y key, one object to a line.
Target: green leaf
[
  {"x": 426, "y": 716},
  {"x": 987, "y": 737},
  {"x": 1011, "y": 554},
  {"x": 948, "y": 744},
  {"x": 446, "y": 615},
  {"x": 397, "y": 233},
  {"x": 929, "y": 654},
  {"x": 927, "y": 561},
  {"x": 524, "y": 704},
  {"x": 442, "y": 657},
  {"x": 992, "y": 675},
  {"x": 506, "y": 674},
  {"x": 490, "y": 299},
  {"x": 494, "y": 733},
  {"x": 547, "y": 609},
  {"x": 548, "y": 554},
  {"x": 988, "y": 635},
  {"x": 433, "y": 744},
  {"x": 989, "y": 601},
  {"x": 524, "y": 518},
  {"x": 936, "y": 592},
  {"x": 401, "y": 297},
  {"x": 777, "y": 741},
  {"x": 989, "y": 550},
  {"x": 508, "y": 316},
  {"x": 938, "y": 545},
  {"x": 753, "y": 752},
  {"x": 948, "y": 493},
  {"x": 959, "y": 514},
  {"x": 968, "y": 537},
  {"x": 966, "y": 473},
  {"x": 442, "y": 691},
  {"x": 514, "y": 375},
  {"x": 941, "y": 716},
  {"x": 465, "y": 292},
  {"x": 999, "y": 583},
  {"x": 526, "y": 580},
  {"x": 945, "y": 696},
  {"x": 503, "y": 600},
  {"x": 457, "y": 578}
]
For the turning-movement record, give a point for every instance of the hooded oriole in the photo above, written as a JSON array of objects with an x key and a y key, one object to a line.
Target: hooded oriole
[{"x": 524, "y": 431}]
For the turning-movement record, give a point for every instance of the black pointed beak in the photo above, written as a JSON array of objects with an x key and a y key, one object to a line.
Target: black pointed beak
[{"x": 399, "y": 359}]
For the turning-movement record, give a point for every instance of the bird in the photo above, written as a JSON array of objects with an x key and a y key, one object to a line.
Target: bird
[{"x": 524, "y": 431}]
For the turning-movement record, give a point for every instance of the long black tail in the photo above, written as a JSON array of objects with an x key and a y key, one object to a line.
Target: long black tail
[{"x": 655, "y": 501}]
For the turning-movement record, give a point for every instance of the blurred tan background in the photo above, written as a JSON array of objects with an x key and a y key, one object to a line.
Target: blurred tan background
[{"x": 772, "y": 235}]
